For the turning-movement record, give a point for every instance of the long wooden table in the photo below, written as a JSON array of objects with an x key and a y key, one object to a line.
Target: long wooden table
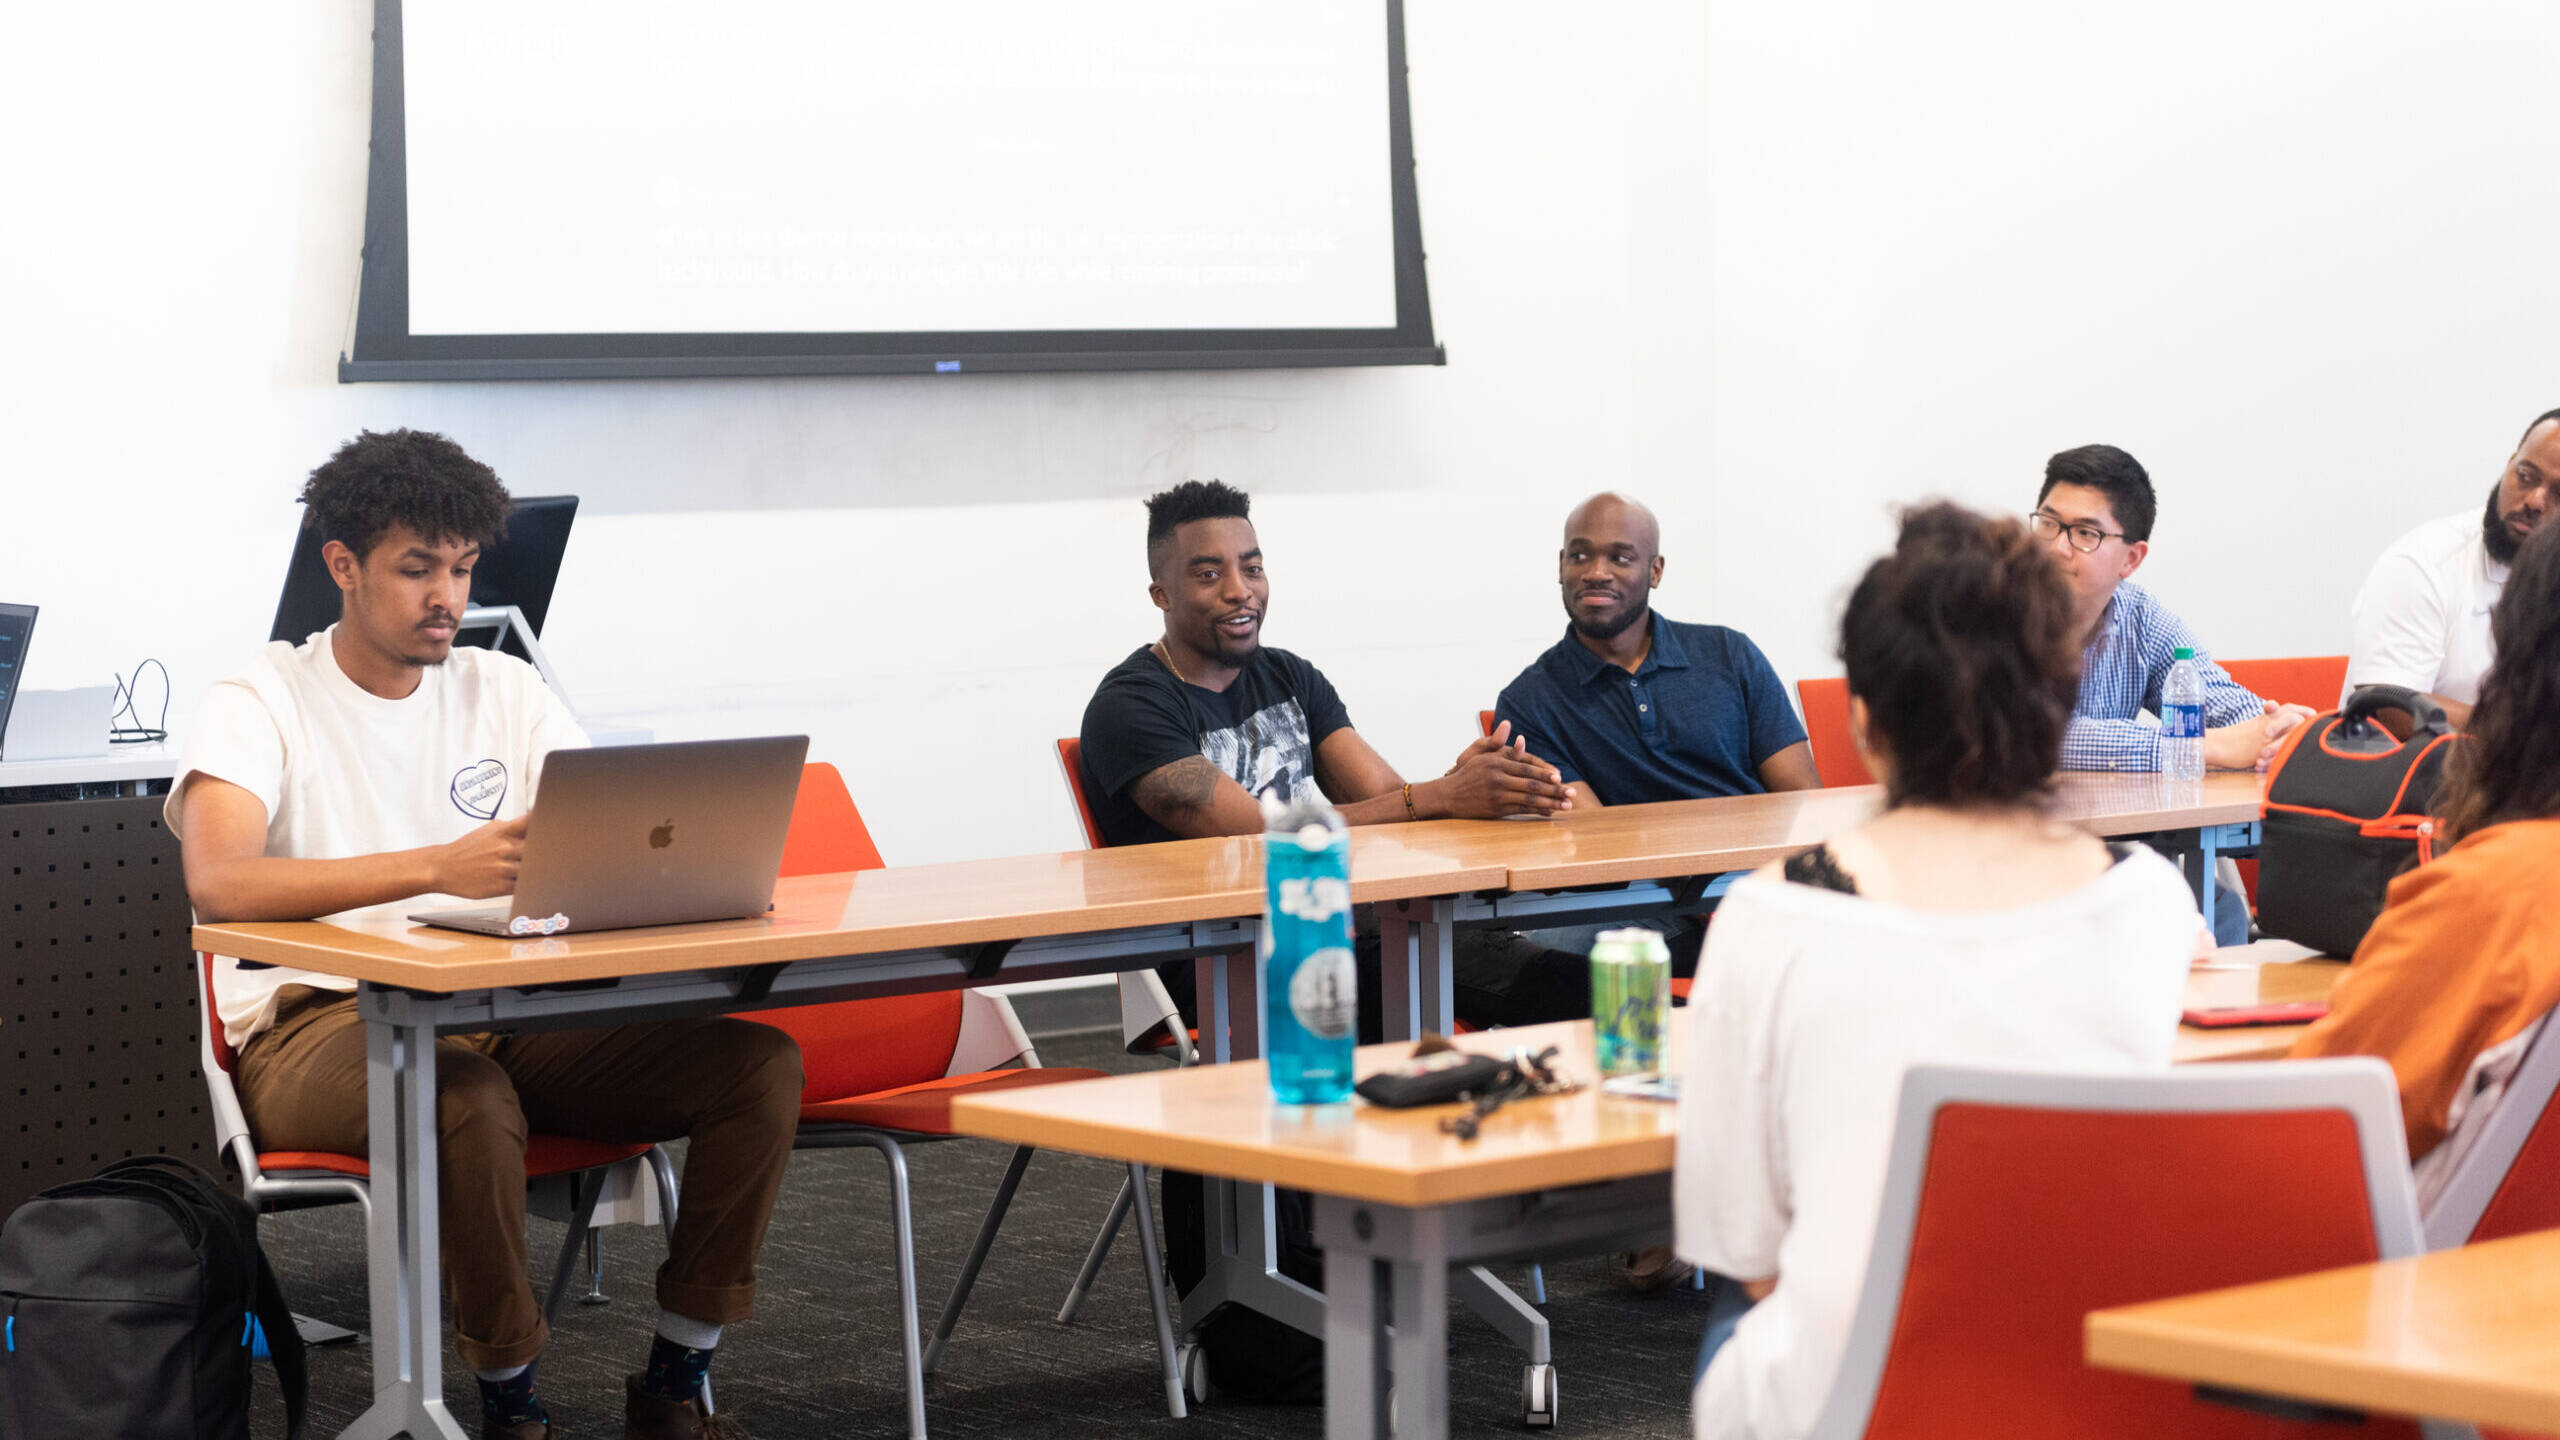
[
  {"x": 1636, "y": 861},
  {"x": 2467, "y": 1334},
  {"x": 1405, "y": 1203},
  {"x": 1397, "y": 1203},
  {"x": 1037, "y": 917},
  {"x": 830, "y": 937}
]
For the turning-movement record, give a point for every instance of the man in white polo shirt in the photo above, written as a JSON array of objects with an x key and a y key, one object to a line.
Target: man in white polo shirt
[
  {"x": 2422, "y": 619},
  {"x": 375, "y": 767}
]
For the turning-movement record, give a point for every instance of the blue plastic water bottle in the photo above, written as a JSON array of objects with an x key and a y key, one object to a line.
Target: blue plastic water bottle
[
  {"x": 2182, "y": 718},
  {"x": 1310, "y": 986}
]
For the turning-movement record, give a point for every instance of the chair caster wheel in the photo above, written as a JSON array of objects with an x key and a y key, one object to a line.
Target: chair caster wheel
[
  {"x": 1192, "y": 1364},
  {"x": 1538, "y": 1397}
]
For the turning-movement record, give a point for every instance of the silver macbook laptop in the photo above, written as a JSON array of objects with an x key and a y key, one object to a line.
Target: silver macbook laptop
[{"x": 626, "y": 835}]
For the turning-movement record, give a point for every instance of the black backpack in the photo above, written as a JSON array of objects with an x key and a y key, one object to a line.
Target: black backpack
[
  {"x": 1251, "y": 1356},
  {"x": 2349, "y": 806},
  {"x": 126, "y": 1303}
]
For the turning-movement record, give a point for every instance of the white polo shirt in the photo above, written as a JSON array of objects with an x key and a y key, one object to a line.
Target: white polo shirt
[
  {"x": 2422, "y": 618},
  {"x": 1809, "y": 1006},
  {"x": 344, "y": 772}
]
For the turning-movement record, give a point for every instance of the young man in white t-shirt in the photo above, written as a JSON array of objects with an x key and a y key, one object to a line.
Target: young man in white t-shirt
[
  {"x": 2422, "y": 618},
  {"x": 374, "y": 768}
]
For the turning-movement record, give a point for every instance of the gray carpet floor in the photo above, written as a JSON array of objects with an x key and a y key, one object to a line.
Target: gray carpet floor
[{"x": 820, "y": 1359}]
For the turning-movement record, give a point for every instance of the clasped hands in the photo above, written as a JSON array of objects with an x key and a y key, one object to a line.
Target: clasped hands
[{"x": 1496, "y": 776}]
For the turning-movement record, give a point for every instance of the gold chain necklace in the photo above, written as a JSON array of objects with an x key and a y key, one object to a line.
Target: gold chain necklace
[{"x": 1166, "y": 655}]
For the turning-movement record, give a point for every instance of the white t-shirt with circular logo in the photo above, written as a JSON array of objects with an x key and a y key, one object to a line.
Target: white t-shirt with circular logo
[{"x": 344, "y": 772}]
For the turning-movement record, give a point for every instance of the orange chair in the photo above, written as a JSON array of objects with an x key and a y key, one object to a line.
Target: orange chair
[
  {"x": 2314, "y": 680},
  {"x": 568, "y": 1176},
  {"x": 1826, "y": 724},
  {"x": 2016, "y": 1202},
  {"x": 2504, "y": 1173},
  {"x": 883, "y": 1073}
]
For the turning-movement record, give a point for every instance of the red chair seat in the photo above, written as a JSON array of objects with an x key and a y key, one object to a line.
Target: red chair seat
[
  {"x": 925, "y": 1109},
  {"x": 543, "y": 1155}
]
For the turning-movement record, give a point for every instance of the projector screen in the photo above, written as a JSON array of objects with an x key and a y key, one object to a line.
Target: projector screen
[{"x": 600, "y": 188}]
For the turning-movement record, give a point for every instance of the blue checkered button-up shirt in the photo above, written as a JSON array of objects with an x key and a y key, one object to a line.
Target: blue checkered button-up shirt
[{"x": 2121, "y": 675}]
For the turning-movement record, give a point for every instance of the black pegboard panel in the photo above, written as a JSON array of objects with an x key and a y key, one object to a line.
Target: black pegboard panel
[{"x": 97, "y": 994}]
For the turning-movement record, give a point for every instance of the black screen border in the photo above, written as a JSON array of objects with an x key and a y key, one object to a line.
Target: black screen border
[{"x": 384, "y": 350}]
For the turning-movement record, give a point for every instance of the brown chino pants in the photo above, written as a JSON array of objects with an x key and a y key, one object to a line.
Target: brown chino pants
[{"x": 732, "y": 1087}]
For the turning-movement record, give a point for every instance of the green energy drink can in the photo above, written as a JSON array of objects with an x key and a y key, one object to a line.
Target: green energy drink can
[{"x": 1630, "y": 1001}]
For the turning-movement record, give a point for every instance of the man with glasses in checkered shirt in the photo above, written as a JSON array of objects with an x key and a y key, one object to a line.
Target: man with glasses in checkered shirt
[{"x": 2095, "y": 511}]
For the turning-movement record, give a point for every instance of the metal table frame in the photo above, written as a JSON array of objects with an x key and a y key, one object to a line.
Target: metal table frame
[{"x": 402, "y": 1252}]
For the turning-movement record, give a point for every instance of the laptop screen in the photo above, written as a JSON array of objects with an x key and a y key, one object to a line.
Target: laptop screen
[{"x": 17, "y": 624}]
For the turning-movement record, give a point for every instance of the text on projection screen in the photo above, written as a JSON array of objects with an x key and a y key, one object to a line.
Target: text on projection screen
[{"x": 602, "y": 167}]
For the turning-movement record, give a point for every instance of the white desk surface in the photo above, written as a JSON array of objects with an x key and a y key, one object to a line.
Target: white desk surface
[{"x": 123, "y": 764}]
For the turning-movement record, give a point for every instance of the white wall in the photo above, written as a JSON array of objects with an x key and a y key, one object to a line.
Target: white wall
[{"x": 1772, "y": 267}]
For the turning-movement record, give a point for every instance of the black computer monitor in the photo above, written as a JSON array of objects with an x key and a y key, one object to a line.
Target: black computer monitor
[
  {"x": 519, "y": 570},
  {"x": 17, "y": 628}
]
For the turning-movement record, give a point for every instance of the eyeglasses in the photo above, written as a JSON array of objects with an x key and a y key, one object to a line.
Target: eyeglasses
[{"x": 2085, "y": 537}]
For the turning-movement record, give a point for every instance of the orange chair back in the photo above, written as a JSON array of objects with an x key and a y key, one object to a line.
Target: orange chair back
[
  {"x": 2529, "y": 1198},
  {"x": 855, "y": 1047},
  {"x": 1826, "y": 724},
  {"x": 2313, "y": 680},
  {"x": 2029, "y": 1219},
  {"x": 213, "y": 1027},
  {"x": 827, "y": 834},
  {"x": 1071, "y": 763}
]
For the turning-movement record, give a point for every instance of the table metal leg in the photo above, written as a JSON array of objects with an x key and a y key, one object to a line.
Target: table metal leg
[
  {"x": 1420, "y": 1302},
  {"x": 2208, "y": 883},
  {"x": 1355, "y": 1349},
  {"x": 1501, "y": 1307},
  {"x": 400, "y": 1246}
]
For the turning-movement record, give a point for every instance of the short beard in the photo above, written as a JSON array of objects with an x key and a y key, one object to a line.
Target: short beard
[
  {"x": 1611, "y": 630},
  {"x": 2494, "y": 538}
]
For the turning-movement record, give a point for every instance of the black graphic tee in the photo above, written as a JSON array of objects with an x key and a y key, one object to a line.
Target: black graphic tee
[{"x": 1262, "y": 731}]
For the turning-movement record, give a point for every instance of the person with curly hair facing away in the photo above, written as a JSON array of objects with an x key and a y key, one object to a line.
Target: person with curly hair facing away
[
  {"x": 374, "y": 768},
  {"x": 2453, "y": 980},
  {"x": 1962, "y": 924}
]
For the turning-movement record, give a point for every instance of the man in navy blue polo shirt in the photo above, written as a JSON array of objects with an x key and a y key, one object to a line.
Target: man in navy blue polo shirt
[{"x": 1632, "y": 707}]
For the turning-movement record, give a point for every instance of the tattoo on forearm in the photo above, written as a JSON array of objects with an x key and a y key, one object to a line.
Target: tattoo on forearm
[{"x": 1179, "y": 788}]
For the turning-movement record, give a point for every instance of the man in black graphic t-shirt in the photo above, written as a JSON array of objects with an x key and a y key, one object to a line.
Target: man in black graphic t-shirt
[
  {"x": 1186, "y": 736},
  {"x": 1262, "y": 732}
]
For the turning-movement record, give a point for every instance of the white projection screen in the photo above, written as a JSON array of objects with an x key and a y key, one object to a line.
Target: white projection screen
[{"x": 600, "y": 188}]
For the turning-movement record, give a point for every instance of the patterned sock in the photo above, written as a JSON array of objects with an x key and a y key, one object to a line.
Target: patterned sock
[
  {"x": 675, "y": 1371},
  {"x": 509, "y": 1399}
]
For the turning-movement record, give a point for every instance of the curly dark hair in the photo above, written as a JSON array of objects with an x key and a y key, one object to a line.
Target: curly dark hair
[
  {"x": 2113, "y": 473},
  {"x": 1191, "y": 500},
  {"x": 1960, "y": 644},
  {"x": 415, "y": 478},
  {"x": 2508, "y": 764}
]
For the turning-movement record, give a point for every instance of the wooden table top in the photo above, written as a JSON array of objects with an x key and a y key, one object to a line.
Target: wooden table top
[
  {"x": 1617, "y": 844},
  {"x": 1220, "y": 1120},
  {"x": 2277, "y": 984},
  {"x": 1022, "y": 897},
  {"x": 856, "y": 913},
  {"x": 2464, "y": 1334}
]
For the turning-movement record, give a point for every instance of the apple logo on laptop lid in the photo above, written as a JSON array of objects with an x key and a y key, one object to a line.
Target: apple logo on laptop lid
[{"x": 663, "y": 836}]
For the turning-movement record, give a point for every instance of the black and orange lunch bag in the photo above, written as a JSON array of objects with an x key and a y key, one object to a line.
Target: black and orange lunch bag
[{"x": 2349, "y": 806}]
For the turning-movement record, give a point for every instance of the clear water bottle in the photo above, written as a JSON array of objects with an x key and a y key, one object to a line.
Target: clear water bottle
[
  {"x": 2182, "y": 718},
  {"x": 1310, "y": 986}
]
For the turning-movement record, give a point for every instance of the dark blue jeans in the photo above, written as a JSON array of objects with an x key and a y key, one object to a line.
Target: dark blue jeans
[{"x": 1726, "y": 1305}]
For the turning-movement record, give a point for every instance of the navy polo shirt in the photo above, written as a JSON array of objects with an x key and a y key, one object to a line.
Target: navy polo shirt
[{"x": 1697, "y": 718}]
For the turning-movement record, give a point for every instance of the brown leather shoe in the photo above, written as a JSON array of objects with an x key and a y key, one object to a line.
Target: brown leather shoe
[
  {"x": 530, "y": 1430},
  {"x": 650, "y": 1417},
  {"x": 1653, "y": 1271}
]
